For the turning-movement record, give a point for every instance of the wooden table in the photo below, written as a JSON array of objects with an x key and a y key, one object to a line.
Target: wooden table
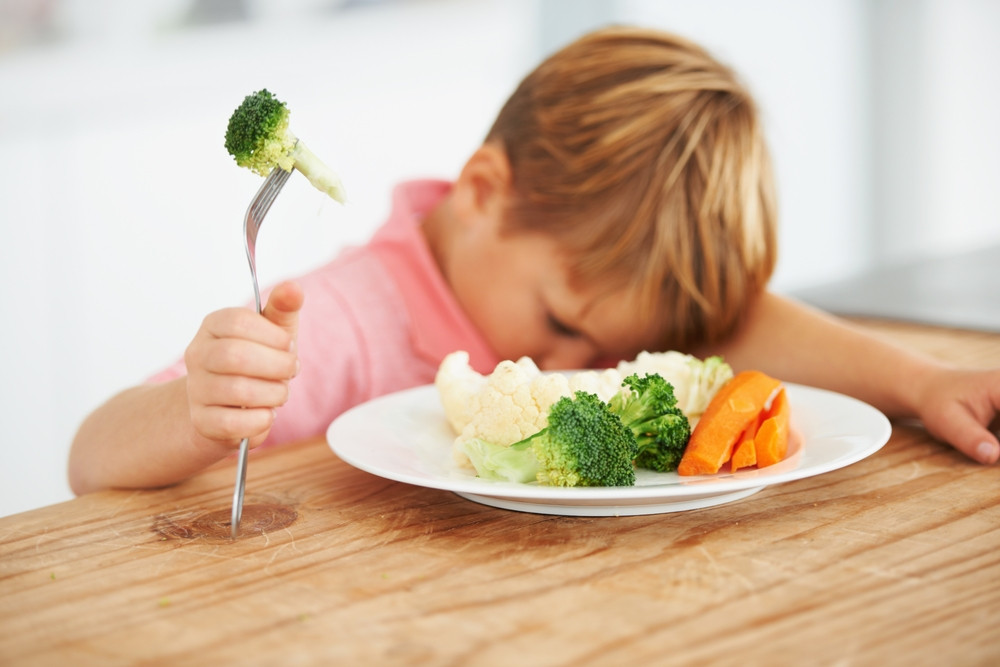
[{"x": 893, "y": 560}]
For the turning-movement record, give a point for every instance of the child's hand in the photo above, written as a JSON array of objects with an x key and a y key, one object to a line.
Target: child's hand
[
  {"x": 962, "y": 407},
  {"x": 239, "y": 365}
]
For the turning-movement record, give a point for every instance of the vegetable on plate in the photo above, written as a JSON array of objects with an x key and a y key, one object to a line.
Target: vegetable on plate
[
  {"x": 771, "y": 439},
  {"x": 584, "y": 444},
  {"x": 648, "y": 407},
  {"x": 522, "y": 425},
  {"x": 739, "y": 404}
]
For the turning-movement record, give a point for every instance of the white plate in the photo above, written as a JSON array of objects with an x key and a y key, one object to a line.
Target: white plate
[{"x": 405, "y": 437}]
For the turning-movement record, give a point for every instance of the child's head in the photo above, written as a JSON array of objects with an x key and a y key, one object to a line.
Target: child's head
[{"x": 644, "y": 157}]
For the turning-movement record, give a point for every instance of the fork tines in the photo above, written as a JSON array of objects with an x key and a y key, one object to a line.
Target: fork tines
[{"x": 268, "y": 192}]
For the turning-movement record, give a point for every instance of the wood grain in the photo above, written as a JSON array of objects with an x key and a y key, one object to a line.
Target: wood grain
[{"x": 893, "y": 560}]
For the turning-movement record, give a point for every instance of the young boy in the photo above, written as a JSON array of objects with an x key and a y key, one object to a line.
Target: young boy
[{"x": 622, "y": 201}]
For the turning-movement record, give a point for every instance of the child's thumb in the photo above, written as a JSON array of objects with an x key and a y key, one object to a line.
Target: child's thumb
[{"x": 283, "y": 306}]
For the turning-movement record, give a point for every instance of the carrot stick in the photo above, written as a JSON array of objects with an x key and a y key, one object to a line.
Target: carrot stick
[
  {"x": 745, "y": 452},
  {"x": 728, "y": 414},
  {"x": 771, "y": 441}
]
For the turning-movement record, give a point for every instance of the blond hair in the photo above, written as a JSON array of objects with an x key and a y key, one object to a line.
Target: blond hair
[{"x": 644, "y": 156}]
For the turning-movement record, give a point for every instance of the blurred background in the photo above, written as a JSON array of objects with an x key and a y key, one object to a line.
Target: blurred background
[{"x": 121, "y": 212}]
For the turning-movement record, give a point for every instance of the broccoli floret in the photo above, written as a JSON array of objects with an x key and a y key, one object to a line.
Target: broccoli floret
[
  {"x": 584, "y": 444},
  {"x": 648, "y": 407},
  {"x": 259, "y": 139}
]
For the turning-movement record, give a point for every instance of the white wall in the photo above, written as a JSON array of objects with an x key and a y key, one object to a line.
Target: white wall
[
  {"x": 121, "y": 213},
  {"x": 935, "y": 130}
]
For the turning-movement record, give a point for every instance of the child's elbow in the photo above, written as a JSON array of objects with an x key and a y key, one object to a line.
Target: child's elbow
[
  {"x": 78, "y": 475},
  {"x": 83, "y": 468}
]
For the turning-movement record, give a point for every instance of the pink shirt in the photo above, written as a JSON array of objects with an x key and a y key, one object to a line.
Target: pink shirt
[{"x": 378, "y": 318}]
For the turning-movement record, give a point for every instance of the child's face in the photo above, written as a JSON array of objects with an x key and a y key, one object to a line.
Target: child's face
[{"x": 517, "y": 291}]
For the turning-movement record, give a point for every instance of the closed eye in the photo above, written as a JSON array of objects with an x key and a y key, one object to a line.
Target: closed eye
[{"x": 561, "y": 329}]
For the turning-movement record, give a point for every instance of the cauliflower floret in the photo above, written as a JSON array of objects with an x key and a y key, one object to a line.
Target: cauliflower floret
[
  {"x": 604, "y": 383},
  {"x": 513, "y": 403},
  {"x": 457, "y": 382},
  {"x": 503, "y": 407}
]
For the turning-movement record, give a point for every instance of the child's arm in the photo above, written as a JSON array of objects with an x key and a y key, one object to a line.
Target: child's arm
[
  {"x": 158, "y": 434},
  {"x": 799, "y": 344}
]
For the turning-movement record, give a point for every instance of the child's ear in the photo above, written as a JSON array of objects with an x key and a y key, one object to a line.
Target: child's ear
[{"x": 484, "y": 184}]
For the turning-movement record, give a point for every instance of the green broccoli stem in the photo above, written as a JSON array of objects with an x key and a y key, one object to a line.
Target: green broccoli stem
[
  {"x": 526, "y": 442},
  {"x": 516, "y": 463},
  {"x": 320, "y": 175}
]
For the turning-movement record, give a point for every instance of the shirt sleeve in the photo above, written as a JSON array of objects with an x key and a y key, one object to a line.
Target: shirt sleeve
[
  {"x": 171, "y": 372},
  {"x": 333, "y": 360}
]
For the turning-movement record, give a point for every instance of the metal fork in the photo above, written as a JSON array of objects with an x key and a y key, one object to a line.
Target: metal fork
[{"x": 252, "y": 221}]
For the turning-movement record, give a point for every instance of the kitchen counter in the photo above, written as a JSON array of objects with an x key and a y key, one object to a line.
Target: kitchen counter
[{"x": 958, "y": 290}]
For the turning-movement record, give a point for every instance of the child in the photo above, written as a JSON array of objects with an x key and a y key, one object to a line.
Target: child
[{"x": 622, "y": 201}]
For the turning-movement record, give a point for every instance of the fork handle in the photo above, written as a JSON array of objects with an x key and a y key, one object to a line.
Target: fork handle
[
  {"x": 241, "y": 480},
  {"x": 241, "y": 465}
]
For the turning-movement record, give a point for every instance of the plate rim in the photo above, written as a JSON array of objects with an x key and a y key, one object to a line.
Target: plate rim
[{"x": 704, "y": 486}]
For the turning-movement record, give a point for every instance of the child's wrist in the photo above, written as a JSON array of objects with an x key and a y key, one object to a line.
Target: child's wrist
[{"x": 915, "y": 385}]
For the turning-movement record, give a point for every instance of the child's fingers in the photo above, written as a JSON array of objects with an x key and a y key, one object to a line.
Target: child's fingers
[
  {"x": 961, "y": 407},
  {"x": 237, "y": 391},
  {"x": 239, "y": 365},
  {"x": 244, "y": 323},
  {"x": 236, "y": 356},
  {"x": 229, "y": 408},
  {"x": 969, "y": 425},
  {"x": 226, "y": 424},
  {"x": 976, "y": 441}
]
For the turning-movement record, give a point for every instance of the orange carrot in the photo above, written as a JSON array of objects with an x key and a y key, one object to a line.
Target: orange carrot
[
  {"x": 734, "y": 406},
  {"x": 771, "y": 441},
  {"x": 745, "y": 453}
]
